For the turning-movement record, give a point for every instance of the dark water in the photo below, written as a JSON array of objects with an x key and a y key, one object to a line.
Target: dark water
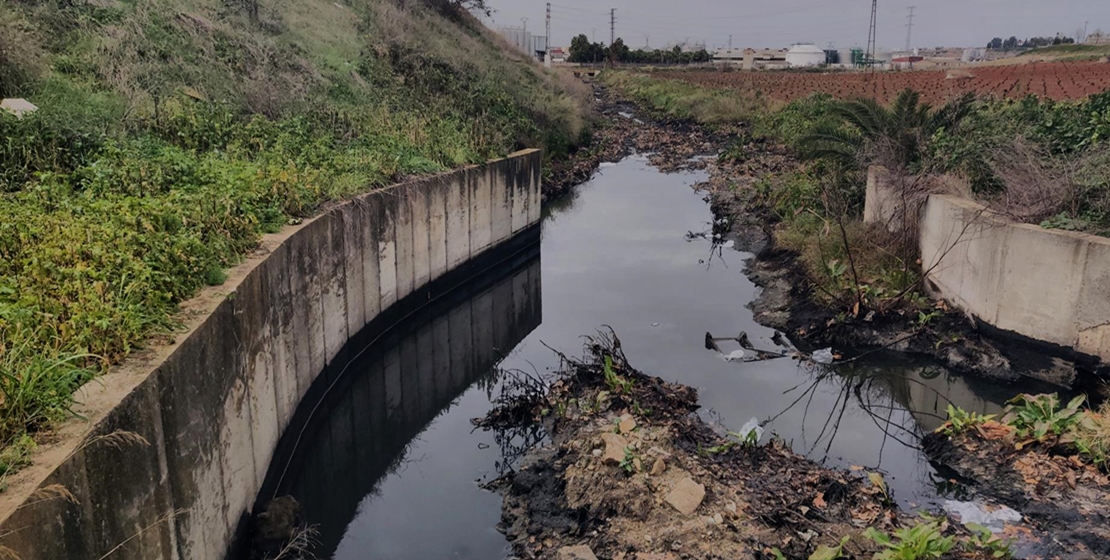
[{"x": 390, "y": 471}]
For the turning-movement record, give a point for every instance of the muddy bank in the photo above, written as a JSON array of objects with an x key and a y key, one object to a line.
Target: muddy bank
[
  {"x": 1060, "y": 495},
  {"x": 630, "y": 471}
]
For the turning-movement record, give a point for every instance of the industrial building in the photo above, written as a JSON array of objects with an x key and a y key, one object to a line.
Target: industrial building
[
  {"x": 805, "y": 55},
  {"x": 524, "y": 41}
]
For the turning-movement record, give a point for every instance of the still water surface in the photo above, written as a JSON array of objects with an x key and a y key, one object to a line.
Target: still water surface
[{"x": 396, "y": 478}]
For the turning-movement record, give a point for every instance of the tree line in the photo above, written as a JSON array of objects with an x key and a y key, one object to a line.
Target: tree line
[
  {"x": 584, "y": 51},
  {"x": 998, "y": 43}
]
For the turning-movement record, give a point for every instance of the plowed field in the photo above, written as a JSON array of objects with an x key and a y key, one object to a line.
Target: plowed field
[{"x": 1055, "y": 80}]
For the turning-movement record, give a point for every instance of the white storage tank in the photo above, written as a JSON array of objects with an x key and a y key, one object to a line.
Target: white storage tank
[{"x": 804, "y": 55}]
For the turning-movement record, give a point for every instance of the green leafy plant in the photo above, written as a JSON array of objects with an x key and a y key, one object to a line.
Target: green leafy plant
[
  {"x": 983, "y": 539},
  {"x": 617, "y": 384},
  {"x": 960, "y": 421},
  {"x": 826, "y": 552},
  {"x": 922, "y": 541},
  {"x": 628, "y": 463},
  {"x": 1040, "y": 417}
]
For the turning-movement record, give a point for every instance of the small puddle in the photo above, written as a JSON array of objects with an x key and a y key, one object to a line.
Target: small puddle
[{"x": 396, "y": 478}]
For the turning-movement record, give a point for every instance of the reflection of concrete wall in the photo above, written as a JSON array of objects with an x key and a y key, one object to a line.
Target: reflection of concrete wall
[
  {"x": 391, "y": 392},
  {"x": 929, "y": 397},
  {"x": 213, "y": 404}
]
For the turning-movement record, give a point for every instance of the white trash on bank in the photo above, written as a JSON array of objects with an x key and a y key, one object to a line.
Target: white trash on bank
[
  {"x": 752, "y": 426},
  {"x": 824, "y": 356},
  {"x": 992, "y": 517}
]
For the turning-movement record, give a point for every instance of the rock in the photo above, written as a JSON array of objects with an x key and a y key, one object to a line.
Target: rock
[
  {"x": 638, "y": 464},
  {"x": 580, "y": 552},
  {"x": 613, "y": 453},
  {"x": 654, "y": 556},
  {"x": 718, "y": 519},
  {"x": 627, "y": 425},
  {"x": 686, "y": 496},
  {"x": 659, "y": 466}
]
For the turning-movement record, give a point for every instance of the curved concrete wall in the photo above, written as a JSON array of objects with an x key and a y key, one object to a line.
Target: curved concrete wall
[{"x": 212, "y": 405}]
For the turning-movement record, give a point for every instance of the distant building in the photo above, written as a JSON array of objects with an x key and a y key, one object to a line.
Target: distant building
[
  {"x": 728, "y": 57},
  {"x": 805, "y": 55},
  {"x": 517, "y": 37},
  {"x": 764, "y": 59}
]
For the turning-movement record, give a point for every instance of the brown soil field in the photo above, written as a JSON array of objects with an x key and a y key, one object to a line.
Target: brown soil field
[{"x": 1053, "y": 80}]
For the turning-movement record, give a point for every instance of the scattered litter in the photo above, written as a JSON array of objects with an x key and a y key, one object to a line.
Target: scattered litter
[
  {"x": 994, "y": 518},
  {"x": 750, "y": 427},
  {"x": 734, "y": 356},
  {"x": 823, "y": 356},
  {"x": 655, "y": 324}
]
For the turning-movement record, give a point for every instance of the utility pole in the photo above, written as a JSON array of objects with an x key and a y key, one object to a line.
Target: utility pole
[
  {"x": 1084, "y": 39},
  {"x": 869, "y": 58},
  {"x": 547, "y": 47},
  {"x": 909, "y": 28},
  {"x": 612, "y": 25},
  {"x": 524, "y": 21},
  {"x": 730, "y": 43}
]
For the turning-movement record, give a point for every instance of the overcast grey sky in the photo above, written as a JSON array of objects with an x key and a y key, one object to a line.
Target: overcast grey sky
[{"x": 777, "y": 23}]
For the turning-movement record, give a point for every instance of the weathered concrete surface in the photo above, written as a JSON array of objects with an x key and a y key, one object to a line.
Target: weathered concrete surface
[
  {"x": 211, "y": 404},
  {"x": 1048, "y": 285}
]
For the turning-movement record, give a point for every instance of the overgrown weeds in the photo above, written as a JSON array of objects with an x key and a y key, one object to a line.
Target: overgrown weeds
[
  {"x": 678, "y": 100},
  {"x": 171, "y": 136}
]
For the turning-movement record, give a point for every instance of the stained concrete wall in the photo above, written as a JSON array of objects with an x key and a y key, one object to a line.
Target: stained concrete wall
[
  {"x": 1048, "y": 285},
  {"x": 212, "y": 405}
]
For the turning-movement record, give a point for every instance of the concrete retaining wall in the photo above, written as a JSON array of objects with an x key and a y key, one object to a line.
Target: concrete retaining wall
[
  {"x": 212, "y": 405},
  {"x": 1048, "y": 285}
]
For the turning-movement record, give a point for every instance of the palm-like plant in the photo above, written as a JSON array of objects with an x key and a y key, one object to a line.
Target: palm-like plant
[{"x": 863, "y": 131}]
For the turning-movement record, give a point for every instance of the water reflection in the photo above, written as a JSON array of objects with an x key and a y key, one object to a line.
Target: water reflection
[{"x": 365, "y": 429}]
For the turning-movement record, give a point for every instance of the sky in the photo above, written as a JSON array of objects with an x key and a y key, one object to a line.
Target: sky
[{"x": 780, "y": 23}]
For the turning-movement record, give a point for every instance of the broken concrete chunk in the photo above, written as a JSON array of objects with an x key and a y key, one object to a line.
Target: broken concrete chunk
[
  {"x": 614, "y": 449},
  {"x": 580, "y": 552},
  {"x": 659, "y": 466},
  {"x": 686, "y": 496},
  {"x": 18, "y": 107}
]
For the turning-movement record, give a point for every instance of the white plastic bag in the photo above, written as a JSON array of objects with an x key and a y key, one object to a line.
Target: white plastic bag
[{"x": 824, "y": 356}]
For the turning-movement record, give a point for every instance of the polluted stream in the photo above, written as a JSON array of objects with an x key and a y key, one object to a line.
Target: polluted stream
[{"x": 390, "y": 467}]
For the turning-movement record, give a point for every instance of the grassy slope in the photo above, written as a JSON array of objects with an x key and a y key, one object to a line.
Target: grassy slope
[{"x": 172, "y": 133}]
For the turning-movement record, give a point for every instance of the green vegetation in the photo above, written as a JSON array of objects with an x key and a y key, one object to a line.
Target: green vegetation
[
  {"x": 584, "y": 52},
  {"x": 172, "y": 133},
  {"x": 670, "y": 99},
  {"x": 960, "y": 421},
  {"x": 922, "y": 541},
  {"x": 1040, "y": 417}
]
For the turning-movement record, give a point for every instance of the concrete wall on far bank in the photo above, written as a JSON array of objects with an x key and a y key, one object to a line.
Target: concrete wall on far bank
[
  {"x": 1048, "y": 285},
  {"x": 212, "y": 405}
]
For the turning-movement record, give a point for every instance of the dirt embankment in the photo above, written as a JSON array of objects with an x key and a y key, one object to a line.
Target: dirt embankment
[{"x": 631, "y": 472}]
